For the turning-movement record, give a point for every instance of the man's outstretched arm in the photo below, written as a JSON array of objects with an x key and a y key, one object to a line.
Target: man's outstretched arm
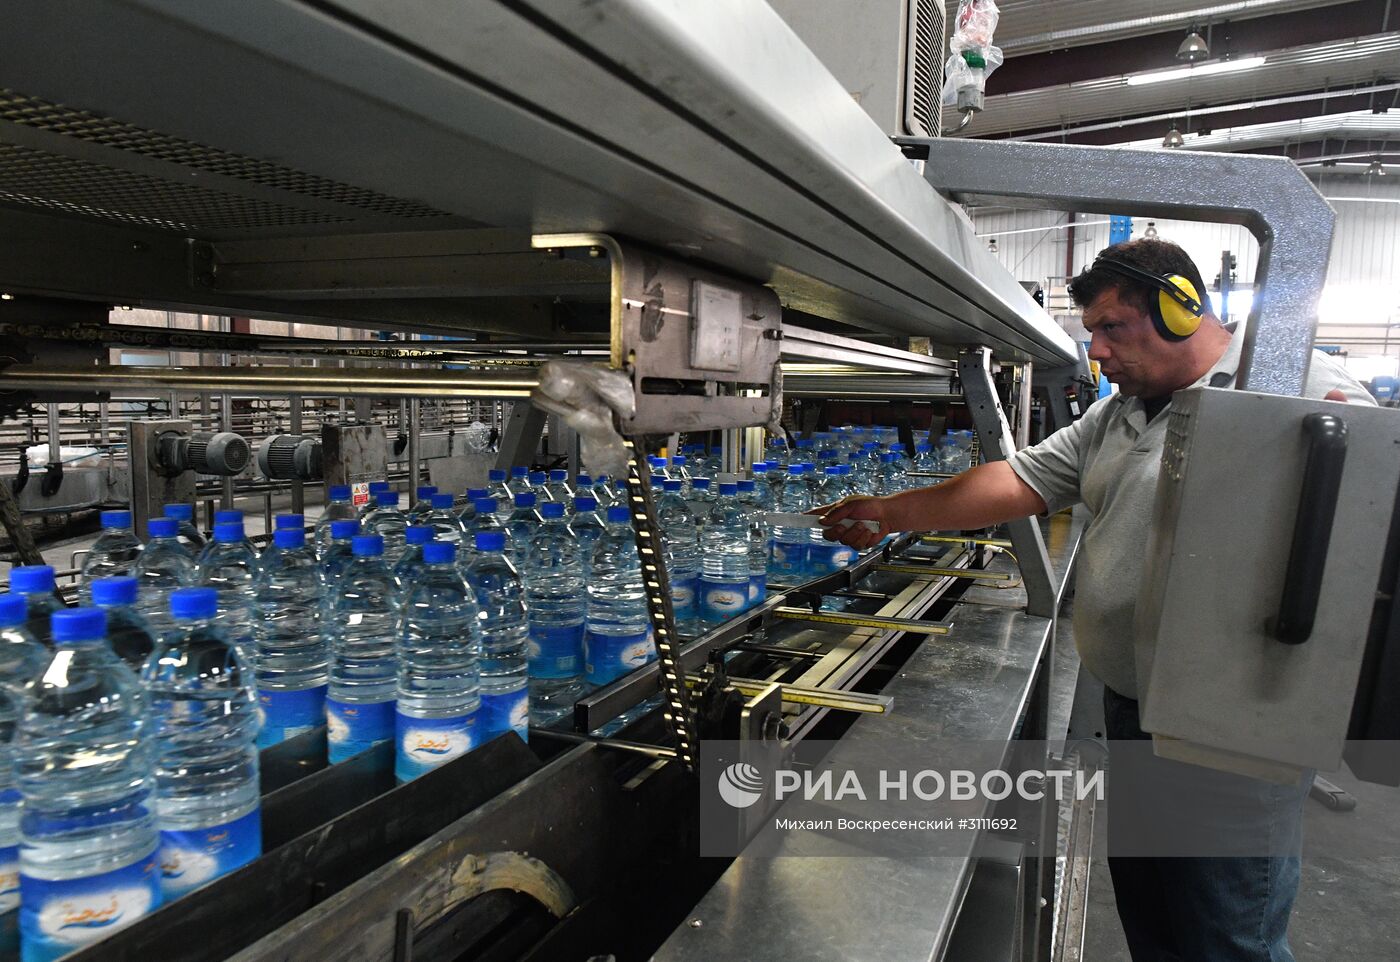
[{"x": 988, "y": 494}]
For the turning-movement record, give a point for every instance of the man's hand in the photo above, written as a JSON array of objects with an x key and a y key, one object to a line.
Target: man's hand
[{"x": 859, "y": 508}]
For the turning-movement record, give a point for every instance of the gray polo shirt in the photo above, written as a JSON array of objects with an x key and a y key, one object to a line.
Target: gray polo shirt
[{"x": 1108, "y": 461}]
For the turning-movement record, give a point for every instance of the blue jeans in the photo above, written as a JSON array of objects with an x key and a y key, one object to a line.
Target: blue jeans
[{"x": 1198, "y": 907}]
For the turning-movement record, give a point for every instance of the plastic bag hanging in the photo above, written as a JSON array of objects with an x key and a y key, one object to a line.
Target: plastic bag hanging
[
  {"x": 973, "y": 57},
  {"x": 586, "y": 396}
]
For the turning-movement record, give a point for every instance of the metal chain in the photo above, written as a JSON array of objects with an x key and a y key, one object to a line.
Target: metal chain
[{"x": 663, "y": 618}]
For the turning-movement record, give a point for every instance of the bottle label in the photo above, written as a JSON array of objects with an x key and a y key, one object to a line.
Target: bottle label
[
  {"x": 286, "y": 714},
  {"x": 556, "y": 651},
  {"x": 720, "y": 600},
  {"x": 189, "y": 859},
  {"x": 9, "y": 878},
  {"x": 426, "y": 743},
  {"x": 830, "y": 558},
  {"x": 55, "y": 917},
  {"x": 683, "y": 596},
  {"x": 789, "y": 558},
  {"x": 354, "y": 727},
  {"x": 609, "y": 657},
  {"x": 758, "y": 589},
  {"x": 504, "y": 711}
]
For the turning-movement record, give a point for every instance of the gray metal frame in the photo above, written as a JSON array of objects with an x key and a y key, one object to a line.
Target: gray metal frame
[{"x": 1269, "y": 196}]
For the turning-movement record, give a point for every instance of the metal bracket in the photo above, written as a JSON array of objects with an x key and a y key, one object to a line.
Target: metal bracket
[
  {"x": 1068, "y": 391},
  {"x": 1269, "y": 196},
  {"x": 994, "y": 436}
]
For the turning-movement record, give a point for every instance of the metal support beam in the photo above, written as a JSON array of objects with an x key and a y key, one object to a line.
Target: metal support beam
[
  {"x": 521, "y": 436},
  {"x": 994, "y": 437}
]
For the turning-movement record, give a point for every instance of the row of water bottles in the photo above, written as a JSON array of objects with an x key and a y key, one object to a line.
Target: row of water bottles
[{"x": 952, "y": 453}]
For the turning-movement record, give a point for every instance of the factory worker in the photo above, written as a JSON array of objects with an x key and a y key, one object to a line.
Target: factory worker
[{"x": 1153, "y": 333}]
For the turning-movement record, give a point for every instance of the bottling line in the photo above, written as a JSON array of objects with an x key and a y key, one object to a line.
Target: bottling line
[{"x": 685, "y": 193}]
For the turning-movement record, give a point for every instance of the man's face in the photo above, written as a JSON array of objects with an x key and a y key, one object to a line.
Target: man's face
[{"x": 1130, "y": 352}]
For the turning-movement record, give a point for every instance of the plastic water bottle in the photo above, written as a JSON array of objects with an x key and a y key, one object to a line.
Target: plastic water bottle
[
  {"x": 519, "y": 480},
  {"x": 586, "y": 526},
  {"x": 21, "y": 660},
  {"x": 538, "y": 480},
  {"x": 292, "y": 654},
  {"x": 439, "y": 651},
  {"x": 557, "y": 487},
  {"x": 442, "y": 520},
  {"x": 923, "y": 462},
  {"x": 487, "y": 519},
  {"x": 362, "y": 632},
  {"x": 760, "y": 539},
  {"x": 680, "y": 535},
  {"x": 617, "y": 636},
  {"x": 889, "y": 479},
  {"x": 583, "y": 487},
  {"x": 163, "y": 566},
  {"x": 130, "y": 633},
  {"x": 603, "y": 493},
  {"x": 724, "y": 571},
  {"x": 205, "y": 711},
  {"x": 387, "y": 521},
  {"x": 84, "y": 761},
  {"x": 468, "y": 511},
  {"x": 497, "y": 488},
  {"x": 505, "y": 633},
  {"x": 702, "y": 492},
  {"x": 826, "y": 557},
  {"x": 790, "y": 545},
  {"x": 336, "y": 557},
  {"x": 411, "y": 561},
  {"x": 234, "y": 516},
  {"x": 338, "y": 508},
  {"x": 555, "y": 593},
  {"x": 114, "y": 552},
  {"x": 422, "y": 503},
  {"x": 520, "y": 527},
  {"x": 777, "y": 453},
  {"x": 229, "y": 566},
  {"x": 188, "y": 535},
  {"x": 35, "y": 584},
  {"x": 283, "y": 522}
]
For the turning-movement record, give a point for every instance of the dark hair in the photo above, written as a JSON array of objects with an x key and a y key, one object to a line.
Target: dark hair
[{"x": 1150, "y": 254}]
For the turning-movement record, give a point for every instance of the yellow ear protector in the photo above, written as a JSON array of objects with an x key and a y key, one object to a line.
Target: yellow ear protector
[{"x": 1176, "y": 311}]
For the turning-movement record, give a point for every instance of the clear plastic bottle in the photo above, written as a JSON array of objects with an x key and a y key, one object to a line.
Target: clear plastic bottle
[
  {"x": 387, "y": 521},
  {"x": 497, "y": 489},
  {"x": 505, "y": 638},
  {"x": 113, "y": 553},
  {"x": 586, "y": 526},
  {"x": 442, "y": 519},
  {"x": 826, "y": 557},
  {"x": 583, "y": 487},
  {"x": 555, "y": 593},
  {"x": 35, "y": 584},
  {"x": 520, "y": 527},
  {"x": 336, "y": 557},
  {"x": 130, "y": 634},
  {"x": 603, "y": 492},
  {"x": 205, "y": 711},
  {"x": 724, "y": 571},
  {"x": 617, "y": 636},
  {"x": 163, "y": 566},
  {"x": 362, "y": 630},
  {"x": 657, "y": 465},
  {"x": 188, "y": 535},
  {"x": 789, "y": 563},
  {"x": 376, "y": 488},
  {"x": 283, "y": 522},
  {"x": 338, "y": 508},
  {"x": 759, "y": 472},
  {"x": 702, "y": 493},
  {"x": 229, "y": 566},
  {"x": 292, "y": 656},
  {"x": 84, "y": 745},
  {"x": 468, "y": 512},
  {"x": 439, "y": 651},
  {"x": 487, "y": 519},
  {"x": 777, "y": 453},
  {"x": 557, "y": 487},
  {"x": 422, "y": 503},
  {"x": 889, "y": 479},
  {"x": 411, "y": 561},
  {"x": 923, "y": 463},
  {"x": 538, "y": 480},
  {"x": 234, "y": 516},
  {"x": 680, "y": 535},
  {"x": 760, "y": 540},
  {"x": 519, "y": 481},
  {"x": 21, "y": 660}
]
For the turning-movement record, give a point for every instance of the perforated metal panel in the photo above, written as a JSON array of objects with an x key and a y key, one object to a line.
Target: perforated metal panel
[{"x": 923, "y": 94}]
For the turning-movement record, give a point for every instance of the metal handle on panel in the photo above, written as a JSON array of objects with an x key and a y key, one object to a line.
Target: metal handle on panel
[{"x": 1312, "y": 528}]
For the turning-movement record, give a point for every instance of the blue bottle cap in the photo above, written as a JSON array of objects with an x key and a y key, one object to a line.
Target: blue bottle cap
[
  {"x": 190, "y": 604},
  {"x": 538, "y": 477},
  {"x": 746, "y": 486},
  {"x": 795, "y": 469},
  {"x": 426, "y": 491},
  {"x": 338, "y": 492},
  {"x": 440, "y": 552},
  {"x": 285, "y": 522},
  {"x": 228, "y": 531},
  {"x": 558, "y": 474},
  {"x": 552, "y": 509},
  {"x": 367, "y": 546},
  {"x": 923, "y": 448},
  {"x": 484, "y": 505},
  {"x": 442, "y": 502},
  {"x": 14, "y": 610},
  {"x": 656, "y": 461},
  {"x": 228, "y": 515},
  {"x": 703, "y": 484},
  {"x": 679, "y": 460},
  {"x": 476, "y": 494},
  {"x": 889, "y": 457},
  {"x": 728, "y": 489},
  {"x": 670, "y": 484},
  {"x": 77, "y": 625},
  {"x": 525, "y": 499},
  {"x": 619, "y": 514},
  {"x": 520, "y": 471},
  {"x": 116, "y": 519},
  {"x": 490, "y": 541},
  {"x": 853, "y": 456},
  {"x": 377, "y": 486},
  {"x": 760, "y": 467},
  {"x": 387, "y": 499},
  {"x": 585, "y": 503},
  {"x": 777, "y": 443},
  {"x": 289, "y": 538},
  {"x": 496, "y": 474},
  {"x": 344, "y": 530},
  {"x": 804, "y": 443},
  {"x": 415, "y": 534},
  {"x": 657, "y": 480},
  {"x": 583, "y": 481},
  {"x": 107, "y": 592},
  {"x": 31, "y": 579},
  {"x": 162, "y": 527},
  {"x": 180, "y": 512},
  {"x": 833, "y": 469}
]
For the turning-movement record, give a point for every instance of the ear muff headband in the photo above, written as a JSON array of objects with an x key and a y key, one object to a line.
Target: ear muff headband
[{"x": 1176, "y": 311}]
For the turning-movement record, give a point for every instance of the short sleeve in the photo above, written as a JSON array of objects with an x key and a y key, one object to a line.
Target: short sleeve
[{"x": 1051, "y": 468}]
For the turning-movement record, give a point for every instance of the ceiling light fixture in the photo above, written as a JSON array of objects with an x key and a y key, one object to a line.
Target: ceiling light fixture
[
  {"x": 1151, "y": 232},
  {"x": 992, "y": 245},
  {"x": 1195, "y": 70},
  {"x": 1173, "y": 138},
  {"x": 1194, "y": 48},
  {"x": 1377, "y": 169}
]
